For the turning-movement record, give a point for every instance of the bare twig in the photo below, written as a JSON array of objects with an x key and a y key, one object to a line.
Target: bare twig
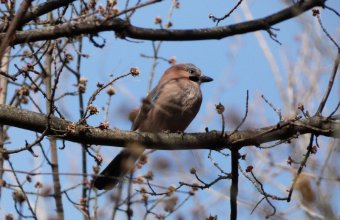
[
  {"x": 22, "y": 190},
  {"x": 153, "y": 57},
  {"x": 334, "y": 111},
  {"x": 42, "y": 9},
  {"x": 330, "y": 84},
  {"x": 50, "y": 92},
  {"x": 333, "y": 10},
  {"x": 134, "y": 8},
  {"x": 278, "y": 142},
  {"x": 265, "y": 195},
  {"x": 245, "y": 115},
  {"x": 30, "y": 146},
  {"x": 8, "y": 38},
  {"x": 4, "y": 67},
  {"x": 156, "y": 47},
  {"x": 272, "y": 35},
  {"x": 326, "y": 32},
  {"x": 95, "y": 93},
  {"x": 302, "y": 165},
  {"x": 235, "y": 155},
  {"x": 204, "y": 184},
  {"x": 216, "y": 164},
  {"x": 276, "y": 110},
  {"x": 259, "y": 189},
  {"x": 217, "y": 20}
]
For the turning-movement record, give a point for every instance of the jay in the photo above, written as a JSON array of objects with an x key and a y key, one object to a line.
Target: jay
[{"x": 170, "y": 106}]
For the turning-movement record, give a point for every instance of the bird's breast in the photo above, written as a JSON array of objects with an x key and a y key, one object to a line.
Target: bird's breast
[
  {"x": 175, "y": 107},
  {"x": 191, "y": 98}
]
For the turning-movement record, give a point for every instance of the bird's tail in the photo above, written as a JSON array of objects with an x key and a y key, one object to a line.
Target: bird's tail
[{"x": 118, "y": 167}]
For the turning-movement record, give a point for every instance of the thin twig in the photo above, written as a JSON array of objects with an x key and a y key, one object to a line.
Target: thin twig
[
  {"x": 217, "y": 20},
  {"x": 215, "y": 163},
  {"x": 326, "y": 32},
  {"x": 125, "y": 11},
  {"x": 244, "y": 117},
  {"x": 333, "y": 10},
  {"x": 276, "y": 110},
  {"x": 15, "y": 24},
  {"x": 266, "y": 197},
  {"x": 333, "y": 112},
  {"x": 95, "y": 93},
  {"x": 302, "y": 165},
  {"x": 50, "y": 92},
  {"x": 330, "y": 84},
  {"x": 258, "y": 188},
  {"x": 156, "y": 47},
  {"x": 22, "y": 190}
]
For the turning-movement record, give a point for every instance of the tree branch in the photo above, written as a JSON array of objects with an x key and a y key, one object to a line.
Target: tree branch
[
  {"x": 41, "y": 9},
  {"x": 235, "y": 155},
  {"x": 125, "y": 29},
  {"x": 330, "y": 84},
  {"x": 8, "y": 36},
  {"x": 60, "y": 128}
]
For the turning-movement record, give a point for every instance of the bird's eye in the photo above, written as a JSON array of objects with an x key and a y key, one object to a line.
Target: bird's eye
[{"x": 191, "y": 71}]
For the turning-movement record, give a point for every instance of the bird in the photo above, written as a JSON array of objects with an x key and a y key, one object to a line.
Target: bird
[{"x": 170, "y": 107}]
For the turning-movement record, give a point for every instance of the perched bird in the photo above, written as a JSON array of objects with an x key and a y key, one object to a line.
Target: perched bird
[{"x": 170, "y": 106}]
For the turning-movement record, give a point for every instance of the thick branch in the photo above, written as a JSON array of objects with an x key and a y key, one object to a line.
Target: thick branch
[
  {"x": 125, "y": 29},
  {"x": 166, "y": 141}
]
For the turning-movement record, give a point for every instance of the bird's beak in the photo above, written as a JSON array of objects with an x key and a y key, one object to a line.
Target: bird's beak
[{"x": 204, "y": 79}]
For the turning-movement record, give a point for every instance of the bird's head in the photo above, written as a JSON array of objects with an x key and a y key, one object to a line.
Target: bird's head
[{"x": 187, "y": 71}]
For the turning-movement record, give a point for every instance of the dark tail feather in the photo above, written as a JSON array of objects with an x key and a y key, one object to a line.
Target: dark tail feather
[{"x": 117, "y": 169}]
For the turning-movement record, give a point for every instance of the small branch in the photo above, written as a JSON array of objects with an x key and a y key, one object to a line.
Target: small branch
[
  {"x": 8, "y": 38},
  {"x": 22, "y": 190},
  {"x": 29, "y": 147},
  {"x": 50, "y": 92},
  {"x": 272, "y": 35},
  {"x": 288, "y": 140},
  {"x": 95, "y": 93},
  {"x": 326, "y": 32},
  {"x": 216, "y": 164},
  {"x": 13, "y": 78},
  {"x": 259, "y": 186},
  {"x": 217, "y": 20},
  {"x": 330, "y": 84},
  {"x": 205, "y": 185},
  {"x": 133, "y": 9},
  {"x": 333, "y": 10},
  {"x": 276, "y": 110},
  {"x": 334, "y": 111},
  {"x": 245, "y": 115},
  {"x": 302, "y": 165},
  {"x": 234, "y": 183},
  {"x": 156, "y": 47},
  {"x": 265, "y": 196},
  {"x": 42, "y": 9}
]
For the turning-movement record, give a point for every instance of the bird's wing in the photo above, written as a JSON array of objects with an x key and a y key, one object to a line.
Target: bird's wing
[{"x": 147, "y": 105}]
